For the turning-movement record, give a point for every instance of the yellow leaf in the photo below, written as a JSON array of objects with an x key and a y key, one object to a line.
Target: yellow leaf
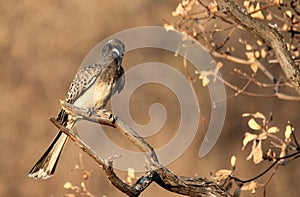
[
  {"x": 283, "y": 153},
  {"x": 257, "y": 54},
  {"x": 254, "y": 67},
  {"x": 233, "y": 161},
  {"x": 273, "y": 130},
  {"x": 246, "y": 3},
  {"x": 269, "y": 17},
  {"x": 259, "y": 115},
  {"x": 288, "y": 132},
  {"x": 250, "y": 8},
  {"x": 253, "y": 124},
  {"x": 250, "y": 187},
  {"x": 213, "y": 7},
  {"x": 67, "y": 185},
  {"x": 262, "y": 136},
  {"x": 258, "y": 14},
  {"x": 204, "y": 78},
  {"x": 263, "y": 52},
  {"x": 131, "y": 173},
  {"x": 222, "y": 174},
  {"x": 183, "y": 8},
  {"x": 248, "y": 138},
  {"x": 168, "y": 27},
  {"x": 246, "y": 114},
  {"x": 256, "y": 153},
  {"x": 82, "y": 184},
  {"x": 219, "y": 65},
  {"x": 289, "y": 13},
  {"x": 256, "y": 115},
  {"x": 259, "y": 42},
  {"x": 248, "y": 47},
  {"x": 179, "y": 10},
  {"x": 250, "y": 55},
  {"x": 285, "y": 27}
]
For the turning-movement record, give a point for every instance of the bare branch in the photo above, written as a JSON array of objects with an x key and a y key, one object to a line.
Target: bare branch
[
  {"x": 105, "y": 164},
  {"x": 191, "y": 186},
  {"x": 269, "y": 34}
]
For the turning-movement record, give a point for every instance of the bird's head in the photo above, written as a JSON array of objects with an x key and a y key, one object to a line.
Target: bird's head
[{"x": 113, "y": 50}]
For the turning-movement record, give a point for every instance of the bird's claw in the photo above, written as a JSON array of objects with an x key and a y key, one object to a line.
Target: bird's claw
[
  {"x": 91, "y": 112},
  {"x": 108, "y": 115}
]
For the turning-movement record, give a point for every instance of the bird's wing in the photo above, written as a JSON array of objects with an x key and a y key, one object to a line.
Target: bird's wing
[{"x": 83, "y": 80}]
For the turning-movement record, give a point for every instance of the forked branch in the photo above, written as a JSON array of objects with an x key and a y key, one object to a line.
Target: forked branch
[
  {"x": 268, "y": 33},
  {"x": 190, "y": 186}
]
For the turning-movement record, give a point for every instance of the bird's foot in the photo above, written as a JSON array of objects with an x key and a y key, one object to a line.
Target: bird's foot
[
  {"x": 91, "y": 112},
  {"x": 107, "y": 114}
]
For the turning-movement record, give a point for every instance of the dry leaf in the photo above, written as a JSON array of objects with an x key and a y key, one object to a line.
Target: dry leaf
[
  {"x": 248, "y": 138},
  {"x": 250, "y": 56},
  {"x": 168, "y": 27},
  {"x": 253, "y": 124},
  {"x": 254, "y": 67},
  {"x": 204, "y": 78},
  {"x": 248, "y": 47},
  {"x": 183, "y": 8},
  {"x": 68, "y": 185},
  {"x": 262, "y": 136},
  {"x": 250, "y": 8},
  {"x": 213, "y": 7},
  {"x": 256, "y": 153},
  {"x": 250, "y": 187},
  {"x": 259, "y": 42},
  {"x": 246, "y": 3},
  {"x": 131, "y": 173},
  {"x": 219, "y": 65},
  {"x": 246, "y": 114},
  {"x": 222, "y": 174},
  {"x": 205, "y": 81},
  {"x": 233, "y": 161},
  {"x": 285, "y": 27},
  {"x": 256, "y": 115},
  {"x": 288, "y": 132},
  {"x": 86, "y": 175},
  {"x": 258, "y": 14},
  {"x": 273, "y": 130},
  {"x": 259, "y": 115},
  {"x": 257, "y": 54},
  {"x": 269, "y": 17},
  {"x": 282, "y": 154},
  {"x": 289, "y": 13},
  {"x": 263, "y": 52}
]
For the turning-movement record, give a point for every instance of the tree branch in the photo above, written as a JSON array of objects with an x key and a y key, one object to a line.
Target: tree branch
[
  {"x": 190, "y": 186},
  {"x": 269, "y": 34}
]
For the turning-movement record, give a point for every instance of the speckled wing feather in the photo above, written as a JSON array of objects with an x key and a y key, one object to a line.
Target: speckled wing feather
[{"x": 83, "y": 80}]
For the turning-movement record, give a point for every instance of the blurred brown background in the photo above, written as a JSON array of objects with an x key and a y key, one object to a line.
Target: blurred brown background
[{"x": 42, "y": 43}]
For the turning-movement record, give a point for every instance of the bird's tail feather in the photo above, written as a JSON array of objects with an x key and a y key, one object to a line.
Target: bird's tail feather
[{"x": 45, "y": 166}]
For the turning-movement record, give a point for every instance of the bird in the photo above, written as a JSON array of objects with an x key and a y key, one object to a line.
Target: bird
[{"x": 91, "y": 88}]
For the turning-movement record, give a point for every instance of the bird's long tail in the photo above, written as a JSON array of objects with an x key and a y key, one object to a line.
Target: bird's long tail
[{"x": 45, "y": 166}]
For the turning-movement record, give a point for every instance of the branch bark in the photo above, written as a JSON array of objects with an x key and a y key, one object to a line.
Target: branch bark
[
  {"x": 190, "y": 186},
  {"x": 269, "y": 34}
]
